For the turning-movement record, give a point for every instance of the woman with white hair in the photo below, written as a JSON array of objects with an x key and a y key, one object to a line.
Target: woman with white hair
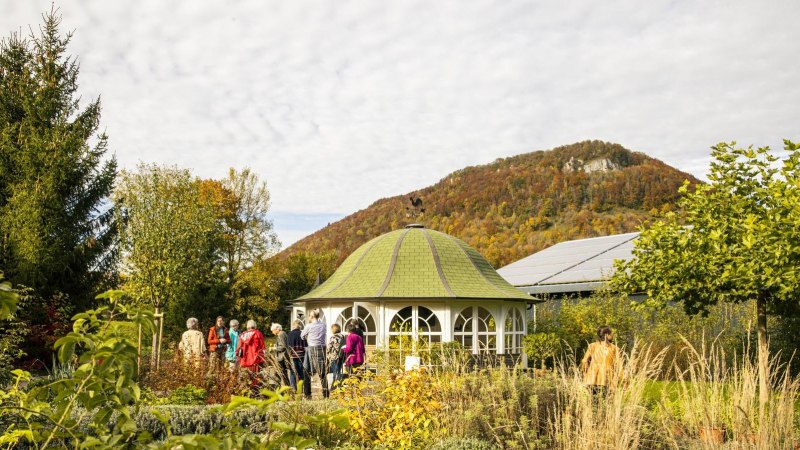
[
  {"x": 193, "y": 344},
  {"x": 280, "y": 352},
  {"x": 233, "y": 333},
  {"x": 250, "y": 348}
]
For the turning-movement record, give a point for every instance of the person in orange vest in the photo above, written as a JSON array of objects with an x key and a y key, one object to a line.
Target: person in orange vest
[{"x": 218, "y": 340}]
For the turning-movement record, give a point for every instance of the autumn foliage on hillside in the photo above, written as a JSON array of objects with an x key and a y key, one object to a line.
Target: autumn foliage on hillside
[{"x": 519, "y": 205}]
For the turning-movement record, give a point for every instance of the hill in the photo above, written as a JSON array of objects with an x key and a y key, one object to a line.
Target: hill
[{"x": 519, "y": 205}]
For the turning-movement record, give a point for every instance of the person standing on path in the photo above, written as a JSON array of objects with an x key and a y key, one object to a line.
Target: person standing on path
[
  {"x": 280, "y": 352},
  {"x": 315, "y": 335},
  {"x": 335, "y": 355},
  {"x": 233, "y": 334},
  {"x": 250, "y": 348},
  {"x": 297, "y": 352},
  {"x": 192, "y": 345},
  {"x": 353, "y": 349},
  {"x": 217, "y": 345}
]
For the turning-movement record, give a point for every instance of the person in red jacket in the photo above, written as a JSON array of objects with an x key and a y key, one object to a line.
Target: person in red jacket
[
  {"x": 218, "y": 340},
  {"x": 250, "y": 348}
]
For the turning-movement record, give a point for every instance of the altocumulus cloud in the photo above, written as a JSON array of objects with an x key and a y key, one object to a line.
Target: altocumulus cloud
[{"x": 339, "y": 103}]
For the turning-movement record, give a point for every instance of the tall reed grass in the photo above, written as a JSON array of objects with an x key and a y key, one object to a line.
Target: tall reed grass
[
  {"x": 614, "y": 419},
  {"x": 719, "y": 404},
  {"x": 709, "y": 404}
]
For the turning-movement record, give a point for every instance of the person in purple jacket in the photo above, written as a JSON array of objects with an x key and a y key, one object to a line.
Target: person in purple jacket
[{"x": 353, "y": 349}]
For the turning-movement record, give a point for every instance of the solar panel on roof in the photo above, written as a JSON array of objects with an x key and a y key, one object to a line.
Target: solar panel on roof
[{"x": 577, "y": 261}]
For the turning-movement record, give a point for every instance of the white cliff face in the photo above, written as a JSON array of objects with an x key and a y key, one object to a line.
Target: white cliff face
[{"x": 594, "y": 165}]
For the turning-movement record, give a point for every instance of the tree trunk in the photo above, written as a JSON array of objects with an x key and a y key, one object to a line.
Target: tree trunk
[
  {"x": 155, "y": 343},
  {"x": 763, "y": 355},
  {"x": 157, "y": 321}
]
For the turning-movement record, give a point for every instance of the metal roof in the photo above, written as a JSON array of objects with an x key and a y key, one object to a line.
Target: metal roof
[
  {"x": 416, "y": 263},
  {"x": 571, "y": 266}
]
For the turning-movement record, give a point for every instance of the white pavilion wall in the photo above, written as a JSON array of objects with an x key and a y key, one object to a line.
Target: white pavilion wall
[{"x": 446, "y": 312}]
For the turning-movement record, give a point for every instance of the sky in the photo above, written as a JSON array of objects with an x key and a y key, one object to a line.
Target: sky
[{"x": 338, "y": 103}]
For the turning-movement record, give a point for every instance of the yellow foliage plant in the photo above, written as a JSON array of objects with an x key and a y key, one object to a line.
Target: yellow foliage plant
[{"x": 397, "y": 409}]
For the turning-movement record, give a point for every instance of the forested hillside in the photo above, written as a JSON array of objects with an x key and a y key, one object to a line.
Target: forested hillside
[{"x": 518, "y": 205}]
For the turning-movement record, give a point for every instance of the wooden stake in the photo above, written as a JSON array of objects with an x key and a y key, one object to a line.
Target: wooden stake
[{"x": 139, "y": 353}]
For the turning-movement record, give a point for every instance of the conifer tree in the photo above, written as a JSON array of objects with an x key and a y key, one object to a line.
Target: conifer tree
[{"x": 56, "y": 226}]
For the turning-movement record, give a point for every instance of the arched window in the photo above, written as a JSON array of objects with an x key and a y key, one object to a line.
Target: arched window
[
  {"x": 365, "y": 320},
  {"x": 414, "y": 326},
  {"x": 475, "y": 329},
  {"x": 515, "y": 330}
]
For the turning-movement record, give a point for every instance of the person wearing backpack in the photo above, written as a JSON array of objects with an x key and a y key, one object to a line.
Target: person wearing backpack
[{"x": 335, "y": 355}]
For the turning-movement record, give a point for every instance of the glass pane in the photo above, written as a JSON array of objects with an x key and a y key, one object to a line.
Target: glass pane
[
  {"x": 431, "y": 322},
  {"x": 369, "y": 323}
]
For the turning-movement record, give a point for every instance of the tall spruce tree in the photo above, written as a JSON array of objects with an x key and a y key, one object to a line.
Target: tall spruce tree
[{"x": 56, "y": 226}]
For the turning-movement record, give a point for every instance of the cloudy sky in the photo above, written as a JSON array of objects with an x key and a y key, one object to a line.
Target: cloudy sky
[{"x": 338, "y": 103}]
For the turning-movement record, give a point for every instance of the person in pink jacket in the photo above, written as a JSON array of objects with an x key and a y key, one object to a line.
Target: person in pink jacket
[{"x": 353, "y": 349}]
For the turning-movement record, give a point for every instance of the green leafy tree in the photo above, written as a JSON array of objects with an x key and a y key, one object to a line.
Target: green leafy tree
[
  {"x": 56, "y": 231},
  {"x": 169, "y": 237},
  {"x": 255, "y": 292},
  {"x": 248, "y": 235},
  {"x": 735, "y": 240},
  {"x": 300, "y": 273}
]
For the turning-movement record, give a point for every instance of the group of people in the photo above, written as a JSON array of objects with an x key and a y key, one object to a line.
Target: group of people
[{"x": 300, "y": 354}]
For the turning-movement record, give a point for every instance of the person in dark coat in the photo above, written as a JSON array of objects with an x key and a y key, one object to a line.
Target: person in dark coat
[
  {"x": 280, "y": 352},
  {"x": 297, "y": 352}
]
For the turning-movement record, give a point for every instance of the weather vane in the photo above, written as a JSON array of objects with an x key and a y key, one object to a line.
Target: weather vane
[{"x": 416, "y": 209}]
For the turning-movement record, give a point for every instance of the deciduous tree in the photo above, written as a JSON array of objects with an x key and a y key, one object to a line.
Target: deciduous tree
[
  {"x": 169, "y": 235},
  {"x": 736, "y": 239}
]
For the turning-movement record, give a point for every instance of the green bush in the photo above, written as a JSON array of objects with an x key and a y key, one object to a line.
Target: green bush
[
  {"x": 13, "y": 331},
  {"x": 540, "y": 346},
  {"x": 187, "y": 395},
  {"x": 575, "y": 322}
]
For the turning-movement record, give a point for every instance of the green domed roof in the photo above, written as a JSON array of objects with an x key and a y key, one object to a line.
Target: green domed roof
[{"x": 415, "y": 263}]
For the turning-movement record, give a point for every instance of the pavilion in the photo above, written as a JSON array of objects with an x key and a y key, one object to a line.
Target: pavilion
[{"x": 428, "y": 286}]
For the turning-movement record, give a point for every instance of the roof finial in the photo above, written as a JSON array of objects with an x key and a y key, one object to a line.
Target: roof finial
[{"x": 416, "y": 208}]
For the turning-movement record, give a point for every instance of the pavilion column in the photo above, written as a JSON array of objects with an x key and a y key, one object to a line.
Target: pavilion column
[
  {"x": 447, "y": 322},
  {"x": 500, "y": 327}
]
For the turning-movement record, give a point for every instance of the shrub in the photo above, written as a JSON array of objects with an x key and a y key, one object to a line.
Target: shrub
[
  {"x": 712, "y": 394},
  {"x": 175, "y": 373},
  {"x": 12, "y": 335},
  {"x": 540, "y": 346},
  {"x": 187, "y": 395},
  {"x": 395, "y": 409},
  {"x": 575, "y": 322}
]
